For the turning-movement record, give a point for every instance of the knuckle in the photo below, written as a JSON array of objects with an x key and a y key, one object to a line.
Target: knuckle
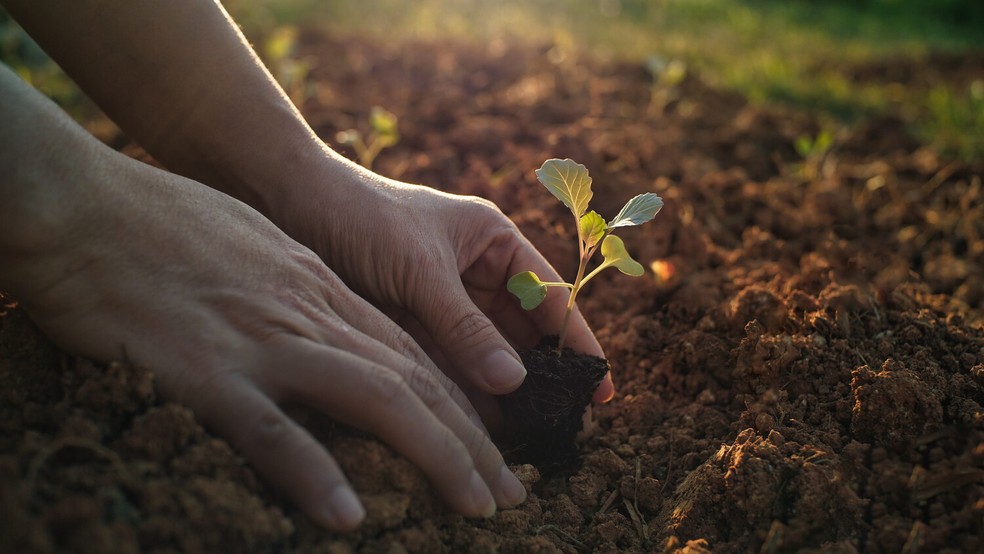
[
  {"x": 385, "y": 387},
  {"x": 459, "y": 397},
  {"x": 482, "y": 449},
  {"x": 484, "y": 206},
  {"x": 309, "y": 261},
  {"x": 405, "y": 344},
  {"x": 201, "y": 378},
  {"x": 482, "y": 213},
  {"x": 455, "y": 450},
  {"x": 469, "y": 326},
  {"x": 428, "y": 388},
  {"x": 312, "y": 265},
  {"x": 271, "y": 429}
]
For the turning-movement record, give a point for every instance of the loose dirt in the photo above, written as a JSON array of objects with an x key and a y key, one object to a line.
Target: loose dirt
[{"x": 803, "y": 371}]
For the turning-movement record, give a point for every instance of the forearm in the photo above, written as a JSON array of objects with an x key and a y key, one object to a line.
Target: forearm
[
  {"x": 180, "y": 79},
  {"x": 44, "y": 160}
]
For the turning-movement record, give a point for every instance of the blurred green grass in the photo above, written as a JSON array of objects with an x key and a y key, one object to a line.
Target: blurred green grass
[{"x": 793, "y": 52}]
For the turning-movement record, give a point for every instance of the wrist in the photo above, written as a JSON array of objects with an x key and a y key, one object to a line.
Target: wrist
[
  {"x": 51, "y": 212},
  {"x": 318, "y": 190}
]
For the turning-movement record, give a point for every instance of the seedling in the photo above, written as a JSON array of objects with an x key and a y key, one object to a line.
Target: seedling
[
  {"x": 814, "y": 147},
  {"x": 383, "y": 134},
  {"x": 570, "y": 183},
  {"x": 814, "y": 151},
  {"x": 667, "y": 76},
  {"x": 279, "y": 51}
]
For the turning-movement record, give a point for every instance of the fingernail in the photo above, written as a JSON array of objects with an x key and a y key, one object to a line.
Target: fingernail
[
  {"x": 605, "y": 391},
  {"x": 481, "y": 496},
  {"x": 502, "y": 371},
  {"x": 344, "y": 508},
  {"x": 512, "y": 488}
]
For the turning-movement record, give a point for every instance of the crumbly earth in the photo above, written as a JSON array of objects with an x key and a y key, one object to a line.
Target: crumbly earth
[{"x": 802, "y": 372}]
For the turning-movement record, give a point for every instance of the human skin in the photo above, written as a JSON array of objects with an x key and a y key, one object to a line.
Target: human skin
[{"x": 235, "y": 317}]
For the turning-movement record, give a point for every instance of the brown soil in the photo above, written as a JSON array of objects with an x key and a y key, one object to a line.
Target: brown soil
[{"x": 805, "y": 372}]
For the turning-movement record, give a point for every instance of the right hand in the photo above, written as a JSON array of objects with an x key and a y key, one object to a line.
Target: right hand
[
  {"x": 438, "y": 264},
  {"x": 237, "y": 319}
]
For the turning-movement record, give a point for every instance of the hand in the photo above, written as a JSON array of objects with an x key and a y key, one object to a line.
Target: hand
[
  {"x": 210, "y": 111},
  {"x": 236, "y": 319},
  {"x": 438, "y": 263},
  {"x": 233, "y": 316}
]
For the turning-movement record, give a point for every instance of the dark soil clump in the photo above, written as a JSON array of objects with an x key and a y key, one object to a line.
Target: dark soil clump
[{"x": 544, "y": 415}]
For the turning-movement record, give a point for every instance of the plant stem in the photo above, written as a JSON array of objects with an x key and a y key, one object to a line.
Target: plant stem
[
  {"x": 591, "y": 275},
  {"x": 579, "y": 281},
  {"x": 567, "y": 319},
  {"x": 375, "y": 146},
  {"x": 570, "y": 301},
  {"x": 360, "y": 150}
]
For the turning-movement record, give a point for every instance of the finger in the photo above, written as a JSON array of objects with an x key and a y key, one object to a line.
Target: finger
[
  {"x": 406, "y": 407},
  {"x": 606, "y": 389},
  {"x": 485, "y": 404},
  {"x": 283, "y": 453},
  {"x": 511, "y": 253},
  {"x": 366, "y": 318},
  {"x": 484, "y": 279},
  {"x": 552, "y": 312},
  {"x": 467, "y": 337},
  {"x": 372, "y": 322},
  {"x": 549, "y": 316},
  {"x": 514, "y": 323},
  {"x": 378, "y": 339}
]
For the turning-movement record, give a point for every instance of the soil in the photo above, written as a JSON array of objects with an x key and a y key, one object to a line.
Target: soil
[
  {"x": 803, "y": 371},
  {"x": 543, "y": 417}
]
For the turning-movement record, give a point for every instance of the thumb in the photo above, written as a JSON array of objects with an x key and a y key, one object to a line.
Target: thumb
[{"x": 469, "y": 340}]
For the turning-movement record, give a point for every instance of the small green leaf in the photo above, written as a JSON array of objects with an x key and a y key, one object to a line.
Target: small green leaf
[
  {"x": 383, "y": 122},
  {"x": 823, "y": 141},
  {"x": 592, "y": 228},
  {"x": 613, "y": 249},
  {"x": 281, "y": 43},
  {"x": 803, "y": 145},
  {"x": 528, "y": 288},
  {"x": 637, "y": 211},
  {"x": 385, "y": 141},
  {"x": 569, "y": 182}
]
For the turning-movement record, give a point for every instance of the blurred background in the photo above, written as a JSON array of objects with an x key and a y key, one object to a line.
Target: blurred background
[{"x": 920, "y": 60}]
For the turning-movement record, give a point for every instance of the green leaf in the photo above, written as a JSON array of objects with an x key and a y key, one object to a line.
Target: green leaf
[
  {"x": 823, "y": 142},
  {"x": 568, "y": 181},
  {"x": 803, "y": 145},
  {"x": 592, "y": 228},
  {"x": 385, "y": 141},
  {"x": 637, "y": 211},
  {"x": 528, "y": 288},
  {"x": 613, "y": 249},
  {"x": 383, "y": 122},
  {"x": 281, "y": 43}
]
